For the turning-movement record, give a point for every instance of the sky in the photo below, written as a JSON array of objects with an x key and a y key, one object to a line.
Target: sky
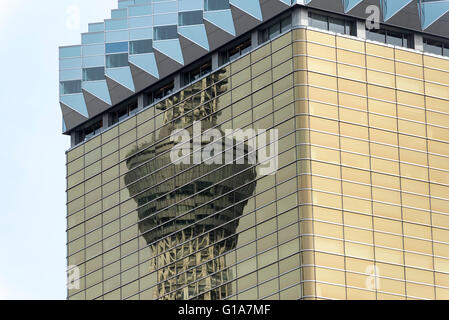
[{"x": 32, "y": 148}]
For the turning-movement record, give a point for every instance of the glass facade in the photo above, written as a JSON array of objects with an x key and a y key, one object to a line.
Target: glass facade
[
  {"x": 141, "y": 227},
  {"x": 374, "y": 185},
  {"x": 357, "y": 209}
]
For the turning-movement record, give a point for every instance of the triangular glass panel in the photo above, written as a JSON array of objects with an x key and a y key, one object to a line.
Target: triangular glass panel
[
  {"x": 171, "y": 48},
  {"x": 350, "y": 4},
  {"x": 146, "y": 62},
  {"x": 252, "y": 7},
  {"x": 122, "y": 76},
  {"x": 222, "y": 19},
  {"x": 196, "y": 34},
  {"x": 76, "y": 102},
  {"x": 432, "y": 11},
  {"x": 99, "y": 89}
]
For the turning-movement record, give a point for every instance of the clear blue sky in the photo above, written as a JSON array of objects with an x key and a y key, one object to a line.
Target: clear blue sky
[{"x": 32, "y": 163}]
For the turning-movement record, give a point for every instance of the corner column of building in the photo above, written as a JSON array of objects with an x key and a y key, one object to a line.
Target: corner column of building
[{"x": 300, "y": 17}]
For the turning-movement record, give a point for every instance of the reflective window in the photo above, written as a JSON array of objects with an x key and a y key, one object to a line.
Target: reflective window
[
  {"x": 89, "y": 132},
  {"x": 279, "y": 26},
  {"x": 234, "y": 52},
  {"x": 141, "y": 46},
  {"x": 395, "y": 38},
  {"x": 166, "y": 32},
  {"x": 375, "y": 36},
  {"x": 318, "y": 21},
  {"x": 117, "y": 60},
  {"x": 116, "y": 24},
  {"x": 139, "y": 10},
  {"x": 211, "y": 5},
  {"x": 190, "y": 76},
  {"x": 116, "y": 47},
  {"x": 93, "y": 74},
  {"x": 93, "y": 130},
  {"x": 160, "y": 93},
  {"x": 123, "y": 113},
  {"x": 118, "y": 13},
  {"x": 190, "y": 18},
  {"x": 338, "y": 25},
  {"x": 436, "y": 47},
  {"x": 70, "y": 87}
]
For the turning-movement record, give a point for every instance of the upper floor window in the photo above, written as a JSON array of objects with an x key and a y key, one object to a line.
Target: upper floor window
[
  {"x": 190, "y": 76},
  {"x": 141, "y": 46},
  {"x": 436, "y": 47},
  {"x": 190, "y": 18},
  {"x": 234, "y": 52},
  {"x": 71, "y": 87},
  {"x": 276, "y": 28},
  {"x": 158, "y": 94},
  {"x": 89, "y": 132},
  {"x": 123, "y": 113},
  {"x": 396, "y": 38},
  {"x": 162, "y": 92},
  {"x": 117, "y": 60},
  {"x": 337, "y": 25},
  {"x": 165, "y": 32},
  {"x": 212, "y": 5},
  {"x": 93, "y": 130},
  {"x": 116, "y": 47},
  {"x": 93, "y": 74}
]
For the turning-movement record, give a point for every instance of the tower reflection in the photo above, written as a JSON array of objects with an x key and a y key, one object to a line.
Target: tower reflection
[{"x": 189, "y": 214}]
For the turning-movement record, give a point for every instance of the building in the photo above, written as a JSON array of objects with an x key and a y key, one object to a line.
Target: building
[{"x": 358, "y": 204}]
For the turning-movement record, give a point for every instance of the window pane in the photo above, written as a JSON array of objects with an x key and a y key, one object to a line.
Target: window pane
[
  {"x": 375, "y": 36},
  {"x": 210, "y": 5},
  {"x": 70, "y": 87},
  {"x": 286, "y": 24},
  {"x": 141, "y": 46},
  {"x": 116, "y": 47},
  {"x": 394, "y": 38},
  {"x": 117, "y": 60},
  {"x": 165, "y": 32},
  {"x": 318, "y": 21},
  {"x": 93, "y": 74},
  {"x": 206, "y": 68},
  {"x": 337, "y": 25},
  {"x": 139, "y": 11},
  {"x": 349, "y": 28},
  {"x": 190, "y": 18},
  {"x": 263, "y": 36},
  {"x": 406, "y": 43},
  {"x": 432, "y": 46},
  {"x": 274, "y": 30}
]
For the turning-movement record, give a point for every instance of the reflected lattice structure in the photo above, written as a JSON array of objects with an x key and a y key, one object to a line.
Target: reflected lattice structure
[{"x": 189, "y": 213}]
